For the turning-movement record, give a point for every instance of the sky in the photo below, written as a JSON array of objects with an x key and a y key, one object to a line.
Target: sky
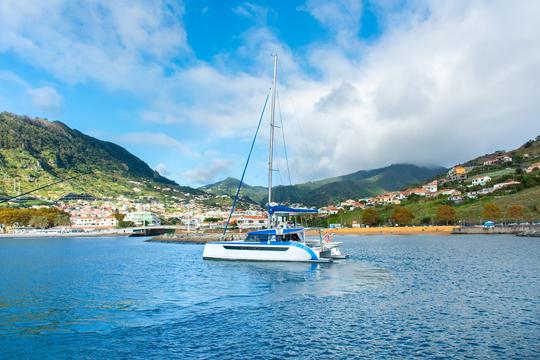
[{"x": 361, "y": 84}]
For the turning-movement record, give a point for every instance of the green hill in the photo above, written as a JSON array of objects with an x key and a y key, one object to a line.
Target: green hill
[
  {"x": 525, "y": 154},
  {"x": 229, "y": 186},
  {"x": 34, "y": 152},
  {"x": 357, "y": 185},
  {"x": 526, "y": 195}
]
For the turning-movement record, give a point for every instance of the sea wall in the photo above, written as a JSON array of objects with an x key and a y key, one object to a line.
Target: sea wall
[{"x": 529, "y": 230}]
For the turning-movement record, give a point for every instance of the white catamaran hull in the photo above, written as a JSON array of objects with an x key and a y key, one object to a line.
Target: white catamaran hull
[{"x": 256, "y": 251}]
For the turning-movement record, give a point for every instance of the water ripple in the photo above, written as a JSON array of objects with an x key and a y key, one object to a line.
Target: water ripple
[{"x": 426, "y": 296}]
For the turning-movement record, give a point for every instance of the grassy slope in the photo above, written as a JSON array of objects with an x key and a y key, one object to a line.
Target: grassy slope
[
  {"x": 468, "y": 212},
  {"x": 230, "y": 185},
  {"x": 38, "y": 152}
]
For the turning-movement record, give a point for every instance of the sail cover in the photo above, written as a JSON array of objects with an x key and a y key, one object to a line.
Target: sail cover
[{"x": 289, "y": 210}]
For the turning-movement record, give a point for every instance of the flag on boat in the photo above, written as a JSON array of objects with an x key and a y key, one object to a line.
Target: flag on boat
[{"x": 328, "y": 237}]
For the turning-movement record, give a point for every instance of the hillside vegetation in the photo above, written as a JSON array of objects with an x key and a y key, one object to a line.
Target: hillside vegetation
[
  {"x": 519, "y": 202},
  {"x": 34, "y": 152},
  {"x": 332, "y": 190}
]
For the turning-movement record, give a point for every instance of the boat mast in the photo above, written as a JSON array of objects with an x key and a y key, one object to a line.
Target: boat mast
[{"x": 271, "y": 146}]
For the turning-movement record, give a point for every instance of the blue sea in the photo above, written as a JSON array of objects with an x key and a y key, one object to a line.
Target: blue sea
[{"x": 396, "y": 297}]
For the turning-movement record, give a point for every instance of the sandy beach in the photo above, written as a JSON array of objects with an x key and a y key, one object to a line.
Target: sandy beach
[{"x": 392, "y": 230}]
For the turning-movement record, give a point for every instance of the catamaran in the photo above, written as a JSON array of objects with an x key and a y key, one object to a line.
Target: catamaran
[{"x": 281, "y": 240}]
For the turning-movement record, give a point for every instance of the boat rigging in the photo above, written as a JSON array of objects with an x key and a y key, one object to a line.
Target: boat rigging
[{"x": 278, "y": 242}]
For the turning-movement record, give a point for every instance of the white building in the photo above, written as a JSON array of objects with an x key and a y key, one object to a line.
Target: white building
[
  {"x": 142, "y": 218},
  {"x": 191, "y": 223},
  {"x": 430, "y": 187},
  {"x": 251, "y": 222},
  {"x": 480, "y": 180},
  {"x": 505, "y": 184},
  {"x": 500, "y": 159},
  {"x": 451, "y": 192},
  {"x": 93, "y": 222}
]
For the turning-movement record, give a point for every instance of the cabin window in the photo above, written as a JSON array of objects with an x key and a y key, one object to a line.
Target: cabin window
[
  {"x": 260, "y": 237},
  {"x": 288, "y": 237},
  {"x": 294, "y": 237}
]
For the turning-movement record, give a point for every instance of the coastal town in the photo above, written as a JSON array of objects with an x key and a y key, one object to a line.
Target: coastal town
[{"x": 208, "y": 212}]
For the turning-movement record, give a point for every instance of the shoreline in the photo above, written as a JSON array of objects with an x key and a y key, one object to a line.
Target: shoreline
[
  {"x": 392, "y": 230},
  {"x": 202, "y": 237},
  {"x": 63, "y": 235}
]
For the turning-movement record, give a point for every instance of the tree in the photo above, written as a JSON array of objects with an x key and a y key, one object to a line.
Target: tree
[
  {"x": 401, "y": 216},
  {"x": 370, "y": 217},
  {"x": 515, "y": 212},
  {"x": 40, "y": 222},
  {"x": 126, "y": 224},
  {"x": 62, "y": 220},
  {"x": 491, "y": 212},
  {"x": 22, "y": 217},
  {"x": 445, "y": 214},
  {"x": 119, "y": 217}
]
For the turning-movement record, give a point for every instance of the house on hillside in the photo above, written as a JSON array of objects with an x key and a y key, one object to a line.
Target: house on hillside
[
  {"x": 328, "y": 210},
  {"x": 499, "y": 159},
  {"x": 472, "y": 195},
  {"x": 450, "y": 192},
  {"x": 505, "y": 184},
  {"x": 456, "y": 199},
  {"x": 457, "y": 173},
  {"x": 485, "y": 191},
  {"x": 415, "y": 191},
  {"x": 480, "y": 180},
  {"x": 352, "y": 204},
  {"x": 430, "y": 187}
]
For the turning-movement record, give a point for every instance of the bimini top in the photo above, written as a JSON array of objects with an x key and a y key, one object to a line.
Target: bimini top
[
  {"x": 286, "y": 209},
  {"x": 276, "y": 231}
]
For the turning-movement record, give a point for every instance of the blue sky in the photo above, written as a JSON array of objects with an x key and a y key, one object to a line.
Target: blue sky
[{"x": 362, "y": 84}]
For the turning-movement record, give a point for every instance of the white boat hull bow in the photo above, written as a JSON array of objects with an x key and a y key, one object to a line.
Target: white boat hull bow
[{"x": 262, "y": 251}]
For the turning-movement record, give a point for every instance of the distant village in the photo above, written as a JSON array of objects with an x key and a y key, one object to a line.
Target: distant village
[{"x": 457, "y": 177}]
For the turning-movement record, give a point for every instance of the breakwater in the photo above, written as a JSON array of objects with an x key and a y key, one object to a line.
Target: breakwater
[{"x": 522, "y": 230}]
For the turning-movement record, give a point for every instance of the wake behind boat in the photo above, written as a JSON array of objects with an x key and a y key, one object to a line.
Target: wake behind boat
[{"x": 282, "y": 240}]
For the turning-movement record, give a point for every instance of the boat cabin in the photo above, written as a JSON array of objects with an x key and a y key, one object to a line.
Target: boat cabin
[{"x": 279, "y": 235}]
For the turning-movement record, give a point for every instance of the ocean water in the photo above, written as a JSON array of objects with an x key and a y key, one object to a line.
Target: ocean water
[{"x": 396, "y": 297}]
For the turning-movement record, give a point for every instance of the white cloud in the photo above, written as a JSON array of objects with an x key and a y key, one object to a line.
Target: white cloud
[
  {"x": 447, "y": 80},
  {"x": 209, "y": 172},
  {"x": 121, "y": 44},
  {"x": 254, "y": 12},
  {"x": 162, "y": 169},
  {"x": 153, "y": 139},
  {"x": 342, "y": 17},
  {"x": 441, "y": 90},
  {"x": 45, "y": 97}
]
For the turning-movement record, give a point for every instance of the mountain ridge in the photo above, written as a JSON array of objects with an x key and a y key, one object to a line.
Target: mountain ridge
[
  {"x": 362, "y": 183},
  {"x": 35, "y": 151}
]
